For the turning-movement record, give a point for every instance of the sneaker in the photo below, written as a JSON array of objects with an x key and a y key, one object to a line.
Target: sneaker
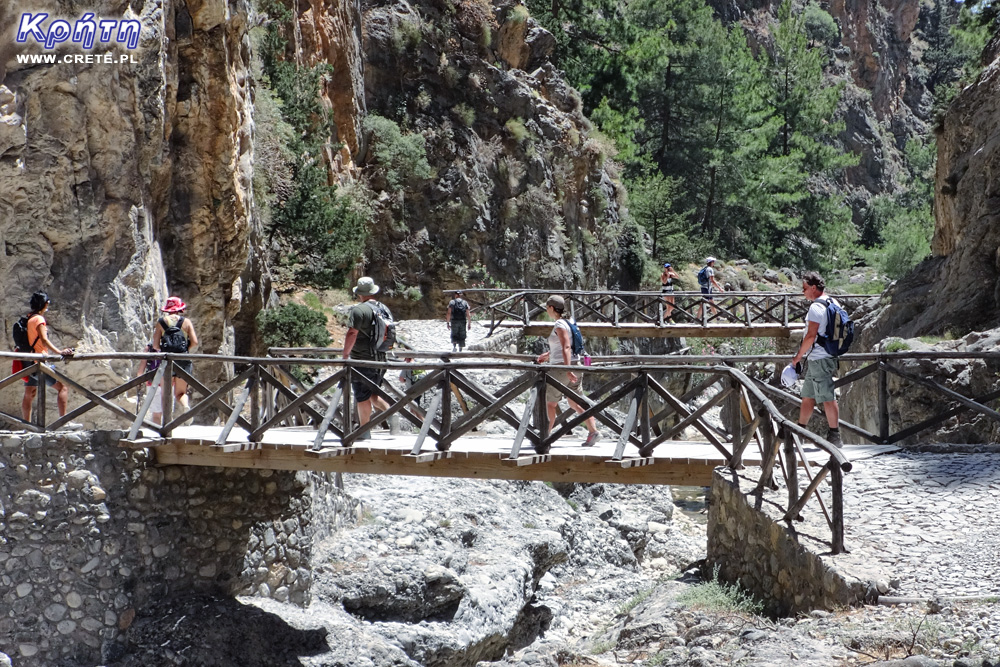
[
  {"x": 835, "y": 439},
  {"x": 592, "y": 437}
]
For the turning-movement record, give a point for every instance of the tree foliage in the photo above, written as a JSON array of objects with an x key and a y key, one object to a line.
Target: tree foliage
[{"x": 293, "y": 325}]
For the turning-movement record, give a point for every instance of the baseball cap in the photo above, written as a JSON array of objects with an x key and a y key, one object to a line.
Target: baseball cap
[
  {"x": 709, "y": 260},
  {"x": 667, "y": 265}
]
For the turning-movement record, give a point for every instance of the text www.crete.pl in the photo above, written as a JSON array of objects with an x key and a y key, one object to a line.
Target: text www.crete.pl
[{"x": 79, "y": 58}]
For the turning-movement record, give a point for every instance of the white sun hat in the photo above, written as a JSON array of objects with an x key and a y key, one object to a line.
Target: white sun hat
[{"x": 789, "y": 377}]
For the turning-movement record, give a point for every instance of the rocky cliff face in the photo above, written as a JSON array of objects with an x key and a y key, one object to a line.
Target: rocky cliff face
[
  {"x": 520, "y": 193},
  {"x": 122, "y": 183},
  {"x": 962, "y": 280}
]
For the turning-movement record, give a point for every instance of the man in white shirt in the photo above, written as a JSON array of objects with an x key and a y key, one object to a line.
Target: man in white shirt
[{"x": 818, "y": 384}]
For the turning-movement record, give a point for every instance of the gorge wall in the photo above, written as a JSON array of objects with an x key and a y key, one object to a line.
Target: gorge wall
[{"x": 121, "y": 184}]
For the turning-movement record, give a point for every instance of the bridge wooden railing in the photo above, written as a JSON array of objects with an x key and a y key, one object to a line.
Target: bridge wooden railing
[
  {"x": 635, "y": 398},
  {"x": 507, "y": 306}
]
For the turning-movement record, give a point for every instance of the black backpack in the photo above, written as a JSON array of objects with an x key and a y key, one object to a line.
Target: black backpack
[
  {"x": 173, "y": 339},
  {"x": 20, "y": 334},
  {"x": 459, "y": 309}
]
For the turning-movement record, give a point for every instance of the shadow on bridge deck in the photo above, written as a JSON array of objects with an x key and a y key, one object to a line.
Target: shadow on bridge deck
[{"x": 682, "y": 463}]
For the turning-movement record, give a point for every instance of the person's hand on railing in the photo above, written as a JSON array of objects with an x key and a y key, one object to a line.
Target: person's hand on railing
[{"x": 68, "y": 352}]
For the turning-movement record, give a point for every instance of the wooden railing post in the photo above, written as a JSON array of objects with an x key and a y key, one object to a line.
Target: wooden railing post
[
  {"x": 883, "y": 403},
  {"x": 784, "y": 310},
  {"x": 40, "y": 397},
  {"x": 791, "y": 468},
  {"x": 168, "y": 396},
  {"x": 541, "y": 416},
  {"x": 837, "y": 529},
  {"x": 255, "y": 406},
  {"x": 445, "y": 405}
]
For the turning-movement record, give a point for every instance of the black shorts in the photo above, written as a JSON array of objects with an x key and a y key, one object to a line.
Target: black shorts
[
  {"x": 188, "y": 366},
  {"x": 458, "y": 331},
  {"x": 363, "y": 392},
  {"x": 707, "y": 291}
]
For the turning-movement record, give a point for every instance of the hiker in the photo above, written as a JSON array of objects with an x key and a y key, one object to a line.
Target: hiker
[
  {"x": 360, "y": 344},
  {"x": 175, "y": 334},
  {"x": 822, "y": 366},
  {"x": 34, "y": 338},
  {"x": 560, "y": 353},
  {"x": 458, "y": 321},
  {"x": 706, "y": 279},
  {"x": 151, "y": 365},
  {"x": 667, "y": 277}
]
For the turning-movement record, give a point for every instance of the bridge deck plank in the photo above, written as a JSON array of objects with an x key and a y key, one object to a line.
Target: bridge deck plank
[{"x": 485, "y": 457}]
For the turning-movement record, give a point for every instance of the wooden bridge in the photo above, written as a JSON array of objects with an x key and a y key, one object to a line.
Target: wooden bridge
[
  {"x": 647, "y": 407},
  {"x": 621, "y": 314}
]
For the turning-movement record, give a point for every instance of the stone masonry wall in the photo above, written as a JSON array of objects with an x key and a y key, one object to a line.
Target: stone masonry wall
[
  {"x": 91, "y": 533},
  {"x": 751, "y": 547}
]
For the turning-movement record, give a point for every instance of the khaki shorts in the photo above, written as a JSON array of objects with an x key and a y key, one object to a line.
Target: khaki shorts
[
  {"x": 552, "y": 395},
  {"x": 818, "y": 382}
]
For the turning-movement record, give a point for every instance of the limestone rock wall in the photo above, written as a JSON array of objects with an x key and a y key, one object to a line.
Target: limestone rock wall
[
  {"x": 962, "y": 280},
  {"x": 91, "y": 535},
  {"x": 121, "y": 184}
]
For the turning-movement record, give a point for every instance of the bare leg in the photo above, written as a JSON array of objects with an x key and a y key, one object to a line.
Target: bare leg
[
  {"x": 806, "y": 410},
  {"x": 180, "y": 392},
  {"x": 591, "y": 422},
  {"x": 364, "y": 411},
  {"x": 832, "y": 411},
  {"x": 670, "y": 306},
  {"x": 62, "y": 397},
  {"x": 26, "y": 402}
]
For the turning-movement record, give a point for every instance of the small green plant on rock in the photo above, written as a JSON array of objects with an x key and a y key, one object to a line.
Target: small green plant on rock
[
  {"x": 719, "y": 596},
  {"x": 897, "y": 346},
  {"x": 293, "y": 325}
]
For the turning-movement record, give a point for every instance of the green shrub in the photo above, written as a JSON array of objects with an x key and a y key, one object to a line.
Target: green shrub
[
  {"x": 400, "y": 158},
  {"x": 407, "y": 35},
  {"x": 897, "y": 346},
  {"x": 465, "y": 113},
  {"x": 720, "y": 596},
  {"x": 293, "y": 325},
  {"x": 517, "y": 129},
  {"x": 820, "y": 26},
  {"x": 518, "y": 15}
]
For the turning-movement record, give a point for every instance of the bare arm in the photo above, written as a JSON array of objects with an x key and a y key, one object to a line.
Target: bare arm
[
  {"x": 157, "y": 332},
  {"x": 566, "y": 340},
  {"x": 189, "y": 330},
  {"x": 447, "y": 316},
  {"x": 349, "y": 340},
  {"x": 807, "y": 342},
  {"x": 43, "y": 336}
]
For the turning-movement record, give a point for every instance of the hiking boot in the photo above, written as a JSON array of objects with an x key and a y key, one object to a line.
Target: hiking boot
[
  {"x": 592, "y": 437},
  {"x": 835, "y": 439}
]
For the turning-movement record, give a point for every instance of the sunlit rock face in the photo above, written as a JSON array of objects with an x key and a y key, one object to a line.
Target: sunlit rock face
[{"x": 123, "y": 183}]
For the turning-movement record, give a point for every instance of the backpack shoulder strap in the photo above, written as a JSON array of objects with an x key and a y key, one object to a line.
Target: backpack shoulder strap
[{"x": 27, "y": 325}]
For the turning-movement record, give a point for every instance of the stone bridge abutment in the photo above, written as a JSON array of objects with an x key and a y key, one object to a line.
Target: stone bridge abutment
[{"x": 91, "y": 534}]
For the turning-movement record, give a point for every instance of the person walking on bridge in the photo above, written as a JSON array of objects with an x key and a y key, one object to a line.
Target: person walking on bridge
[
  {"x": 359, "y": 344},
  {"x": 175, "y": 334},
  {"x": 560, "y": 353},
  {"x": 706, "y": 280},
  {"x": 38, "y": 343},
  {"x": 667, "y": 278},
  {"x": 818, "y": 384},
  {"x": 458, "y": 321}
]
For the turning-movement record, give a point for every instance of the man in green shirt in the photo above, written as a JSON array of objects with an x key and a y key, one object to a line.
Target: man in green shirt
[{"x": 358, "y": 345}]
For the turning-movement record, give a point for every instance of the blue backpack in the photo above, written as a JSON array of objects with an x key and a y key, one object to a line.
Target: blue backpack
[
  {"x": 839, "y": 332},
  {"x": 577, "y": 344},
  {"x": 703, "y": 277}
]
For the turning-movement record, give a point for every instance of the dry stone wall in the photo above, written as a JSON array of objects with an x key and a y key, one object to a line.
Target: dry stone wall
[
  {"x": 91, "y": 534},
  {"x": 753, "y": 548}
]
